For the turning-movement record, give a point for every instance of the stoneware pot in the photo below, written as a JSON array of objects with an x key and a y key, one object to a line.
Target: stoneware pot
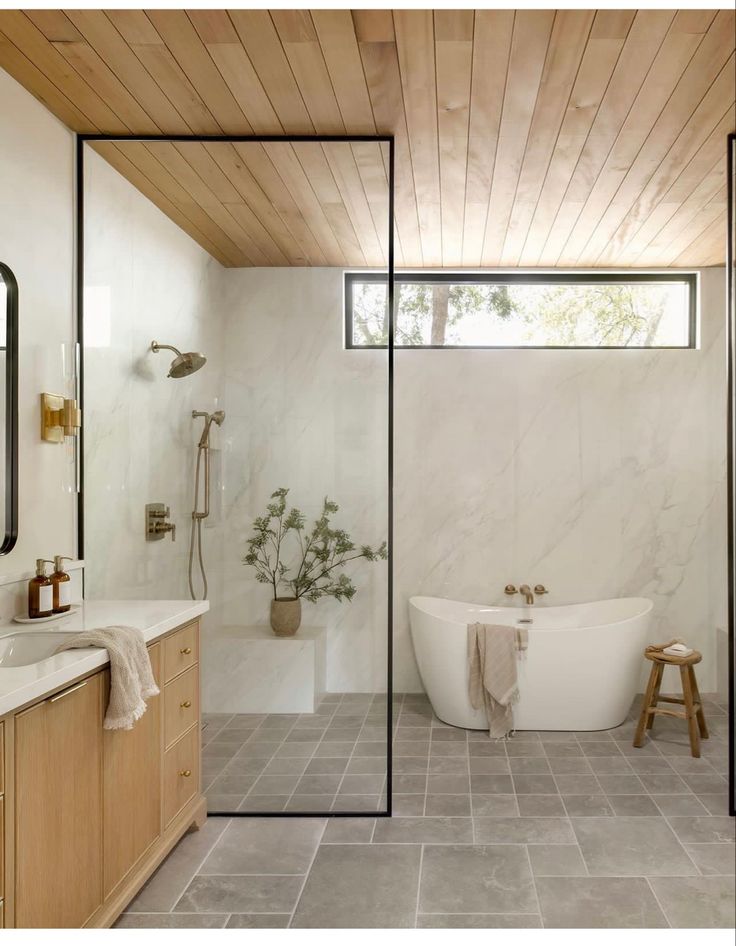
[{"x": 286, "y": 616}]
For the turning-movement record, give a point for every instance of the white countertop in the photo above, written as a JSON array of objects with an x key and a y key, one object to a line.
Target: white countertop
[{"x": 22, "y": 685}]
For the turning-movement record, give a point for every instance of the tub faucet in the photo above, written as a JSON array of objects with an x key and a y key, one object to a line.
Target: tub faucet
[{"x": 528, "y": 594}]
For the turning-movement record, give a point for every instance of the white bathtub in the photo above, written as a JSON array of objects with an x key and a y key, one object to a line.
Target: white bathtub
[{"x": 580, "y": 671}]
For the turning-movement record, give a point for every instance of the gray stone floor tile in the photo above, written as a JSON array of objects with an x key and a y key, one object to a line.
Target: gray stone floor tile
[
  {"x": 482, "y": 783},
  {"x": 457, "y": 806},
  {"x": 258, "y": 921},
  {"x": 411, "y": 805},
  {"x": 171, "y": 921},
  {"x": 598, "y": 903},
  {"x": 448, "y": 784},
  {"x": 679, "y": 805},
  {"x": 411, "y": 784},
  {"x": 534, "y": 784},
  {"x": 489, "y": 765},
  {"x": 697, "y": 902},
  {"x": 450, "y": 765},
  {"x": 231, "y": 894},
  {"x": 588, "y": 806},
  {"x": 627, "y": 847},
  {"x": 713, "y": 829},
  {"x": 569, "y": 766},
  {"x": 713, "y": 858},
  {"x": 348, "y": 831},
  {"x": 360, "y": 886},
  {"x": 494, "y": 805},
  {"x": 529, "y": 765},
  {"x": 478, "y": 921},
  {"x": 265, "y": 846},
  {"x": 523, "y": 831},
  {"x": 633, "y": 805},
  {"x": 491, "y": 878},
  {"x": 423, "y": 831},
  {"x": 621, "y": 784},
  {"x": 541, "y": 805},
  {"x": 556, "y": 860},
  {"x": 167, "y": 884},
  {"x": 577, "y": 784},
  {"x": 717, "y": 804}
]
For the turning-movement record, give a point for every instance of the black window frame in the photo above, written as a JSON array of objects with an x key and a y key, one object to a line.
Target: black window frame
[{"x": 481, "y": 278}]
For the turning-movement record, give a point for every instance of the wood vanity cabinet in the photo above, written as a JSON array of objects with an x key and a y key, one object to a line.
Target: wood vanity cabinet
[
  {"x": 131, "y": 781},
  {"x": 88, "y": 814},
  {"x": 58, "y": 815}
]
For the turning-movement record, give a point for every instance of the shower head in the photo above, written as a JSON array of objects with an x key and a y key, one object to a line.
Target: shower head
[
  {"x": 184, "y": 364},
  {"x": 218, "y": 417}
]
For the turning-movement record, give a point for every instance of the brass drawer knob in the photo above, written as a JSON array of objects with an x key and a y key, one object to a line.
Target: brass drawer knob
[
  {"x": 185, "y": 650},
  {"x": 186, "y": 704},
  {"x": 185, "y": 773}
]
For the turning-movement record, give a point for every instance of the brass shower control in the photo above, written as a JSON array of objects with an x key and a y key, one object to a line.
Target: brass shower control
[{"x": 157, "y": 525}]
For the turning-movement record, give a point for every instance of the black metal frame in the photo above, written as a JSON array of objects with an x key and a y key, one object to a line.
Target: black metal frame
[
  {"x": 731, "y": 457},
  {"x": 489, "y": 276},
  {"x": 81, "y": 141},
  {"x": 11, "y": 410}
]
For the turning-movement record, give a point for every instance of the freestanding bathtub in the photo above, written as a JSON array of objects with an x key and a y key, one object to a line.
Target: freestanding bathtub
[{"x": 580, "y": 671}]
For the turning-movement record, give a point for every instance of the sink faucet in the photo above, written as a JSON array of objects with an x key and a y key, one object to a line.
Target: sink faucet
[{"x": 528, "y": 594}]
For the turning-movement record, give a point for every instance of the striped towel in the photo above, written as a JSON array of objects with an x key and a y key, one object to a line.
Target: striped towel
[{"x": 492, "y": 682}]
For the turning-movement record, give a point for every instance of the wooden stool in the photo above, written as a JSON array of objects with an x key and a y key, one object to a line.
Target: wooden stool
[{"x": 693, "y": 711}]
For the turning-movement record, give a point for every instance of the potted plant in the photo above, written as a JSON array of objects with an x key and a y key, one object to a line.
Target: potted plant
[{"x": 321, "y": 553}]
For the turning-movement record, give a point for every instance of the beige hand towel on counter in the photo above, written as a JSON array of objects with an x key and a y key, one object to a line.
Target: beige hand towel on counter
[
  {"x": 131, "y": 675},
  {"x": 492, "y": 682}
]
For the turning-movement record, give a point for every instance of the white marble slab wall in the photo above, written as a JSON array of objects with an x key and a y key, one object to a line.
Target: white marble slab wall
[
  {"x": 145, "y": 279},
  {"x": 598, "y": 474}
]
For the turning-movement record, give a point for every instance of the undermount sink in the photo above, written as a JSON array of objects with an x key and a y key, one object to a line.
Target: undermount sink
[{"x": 31, "y": 647}]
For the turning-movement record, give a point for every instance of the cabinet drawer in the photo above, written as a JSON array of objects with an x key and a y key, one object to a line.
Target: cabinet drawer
[
  {"x": 181, "y": 773},
  {"x": 180, "y": 651},
  {"x": 181, "y": 705}
]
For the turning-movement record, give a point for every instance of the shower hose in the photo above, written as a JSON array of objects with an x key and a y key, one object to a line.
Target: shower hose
[{"x": 195, "y": 535}]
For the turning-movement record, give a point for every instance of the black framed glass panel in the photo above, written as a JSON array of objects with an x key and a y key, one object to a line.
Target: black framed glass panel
[{"x": 9, "y": 407}]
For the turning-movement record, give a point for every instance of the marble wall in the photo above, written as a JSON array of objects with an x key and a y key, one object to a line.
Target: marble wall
[
  {"x": 598, "y": 474},
  {"x": 37, "y": 243},
  {"x": 145, "y": 279}
]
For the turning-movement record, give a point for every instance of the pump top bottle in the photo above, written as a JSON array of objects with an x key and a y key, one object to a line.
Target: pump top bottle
[
  {"x": 62, "y": 588},
  {"x": 40, "y": 592}
]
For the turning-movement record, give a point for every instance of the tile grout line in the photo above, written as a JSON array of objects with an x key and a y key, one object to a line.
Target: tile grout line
[
  {"x": 419, "y": 886},
  {"x": 654, "y": 894},
  {"x": 534, "y": 884},
  {"x": 307, "y": 872}
]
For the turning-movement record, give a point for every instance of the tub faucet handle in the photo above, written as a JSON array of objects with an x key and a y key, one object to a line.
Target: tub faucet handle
[
  {"x": 541, "y": 590},
  {"x": 510, "y": 590}
]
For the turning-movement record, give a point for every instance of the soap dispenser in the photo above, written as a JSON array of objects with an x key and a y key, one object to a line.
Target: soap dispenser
[
  {"x": 40, "y": 592},
  {"x": 61, "y": 582}
]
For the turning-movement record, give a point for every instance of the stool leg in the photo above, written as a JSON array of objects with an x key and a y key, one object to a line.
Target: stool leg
[
  {"x": 696, "y": 696},
  {"x": 692, "y": 723},
  {"x": 641, "y": 727},
  {"x": 655, "y": 695}
]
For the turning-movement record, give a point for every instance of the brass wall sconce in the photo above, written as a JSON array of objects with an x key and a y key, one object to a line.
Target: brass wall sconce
[{"x": 60, "y": 418}]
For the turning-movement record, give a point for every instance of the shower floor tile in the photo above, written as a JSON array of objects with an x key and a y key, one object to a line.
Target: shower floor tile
[{"x": 592, "y": 831}]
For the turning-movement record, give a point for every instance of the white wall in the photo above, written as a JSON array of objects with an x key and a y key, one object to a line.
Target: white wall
[
  {"x": 598, "y": 474},
  {"x": 37, "y": 243},
  {"x": 145, "y": 279}
]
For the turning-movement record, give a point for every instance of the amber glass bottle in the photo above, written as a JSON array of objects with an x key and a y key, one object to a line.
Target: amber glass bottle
[
  {"x": 62, "y": 585},
  {"x": 40, "y": 592}
]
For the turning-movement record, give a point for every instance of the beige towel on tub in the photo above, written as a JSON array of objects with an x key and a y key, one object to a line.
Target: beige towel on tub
[
  {"x": 131, "y": 675},
  {"x": 492, "y": 682}
]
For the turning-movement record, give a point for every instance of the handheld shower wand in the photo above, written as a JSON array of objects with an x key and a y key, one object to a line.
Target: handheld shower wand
[{"x": 203, "y": 451}]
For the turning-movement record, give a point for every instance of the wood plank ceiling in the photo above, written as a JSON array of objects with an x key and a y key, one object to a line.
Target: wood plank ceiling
[{"x": 523, "y": 138}]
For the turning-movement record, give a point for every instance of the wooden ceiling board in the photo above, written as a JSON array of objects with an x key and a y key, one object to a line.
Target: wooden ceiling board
[{"x": 522, "y": 137}]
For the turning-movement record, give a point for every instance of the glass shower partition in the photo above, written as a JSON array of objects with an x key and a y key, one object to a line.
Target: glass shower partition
[{"x": 238, "y": 251}]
